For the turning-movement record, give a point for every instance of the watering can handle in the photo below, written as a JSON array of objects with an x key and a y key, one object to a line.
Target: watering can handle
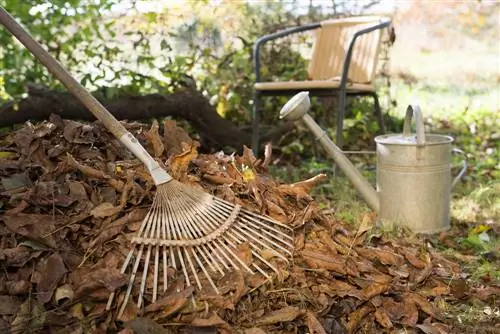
[
  {"x": 462, "y": 170},
  {"x": 414, "y": 111}
]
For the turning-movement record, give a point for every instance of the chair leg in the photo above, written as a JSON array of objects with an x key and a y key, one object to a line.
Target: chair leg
[
  {"x": 378, "y": 113},
  {"x": 255, "y": 124},
  {"x": 340, "y": 118}
]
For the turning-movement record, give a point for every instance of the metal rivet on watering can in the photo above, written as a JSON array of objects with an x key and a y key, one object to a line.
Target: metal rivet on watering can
[{"x": 414, "y": 180}]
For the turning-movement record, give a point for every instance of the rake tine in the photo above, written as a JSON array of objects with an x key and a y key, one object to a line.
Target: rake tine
[
  {"x": 144, "y": 276},
  {"x": 170, "y": 230},
  {"x": 122, "y": 270},
  {"x": 190, "y": 262},
  {"x": 212, "y": 264},
  {"x": 263, "y": 234},
  {"x": 257, "y": 255},
  {"x": 131, "y": 281},
  {"x": 205, "y": 271},
  {"x": 272, "y": 221},
  {"x": 265, "y": 228},
  {"x": 179, "y": 234},
  {"x": 186, "y": 212},
  {"x": 142, "y": 231},
  {"x": 263, "y": 244},
  {"x": 151, "y": 231},
  {"x": 236, "y": 256},
  {"x": 262, "y": 271},
  {"x": 183, "y": 266},
  {"x": 164, "y": 250},
  {"x": 220, "y": 249},
  {"x": 221, "y": 260}
]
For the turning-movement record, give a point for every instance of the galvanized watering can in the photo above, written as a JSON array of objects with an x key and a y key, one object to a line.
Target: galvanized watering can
[{"x": 414, "y": 179}]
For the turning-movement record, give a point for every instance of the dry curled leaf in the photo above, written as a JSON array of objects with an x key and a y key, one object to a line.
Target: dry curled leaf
[
  {"x": 301, "y": 190},
  {"x": 48, "y": 276},
  {"x": 313, "y": 324},
  {"x": 356, "y": 317},
  {"x": 180, "y": 162},
  {"x": 383, "y": 318},
  {"x": 155, "y": 139},
  {"x": 286, "y": 314}
]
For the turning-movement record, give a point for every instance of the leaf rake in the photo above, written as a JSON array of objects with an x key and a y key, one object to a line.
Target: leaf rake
[{"x": 186, "y": 228}]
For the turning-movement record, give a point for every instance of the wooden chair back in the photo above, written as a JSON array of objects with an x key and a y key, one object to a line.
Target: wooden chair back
[{"x": 331, "y": 44}]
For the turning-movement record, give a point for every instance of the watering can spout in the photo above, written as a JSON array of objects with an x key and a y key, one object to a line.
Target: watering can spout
[{"x": 296, "y": 109}]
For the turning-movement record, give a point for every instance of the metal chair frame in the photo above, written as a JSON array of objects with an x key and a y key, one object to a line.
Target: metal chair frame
[{"x": 342, "y": 91}]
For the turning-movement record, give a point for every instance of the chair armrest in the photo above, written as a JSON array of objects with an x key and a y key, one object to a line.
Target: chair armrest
[
  {"x": 347, "y": 60},
  {"x": 266, "y": 38}
]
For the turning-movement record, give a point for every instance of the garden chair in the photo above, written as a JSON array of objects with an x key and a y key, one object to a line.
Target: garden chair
[{"x": 343, "y": 62}]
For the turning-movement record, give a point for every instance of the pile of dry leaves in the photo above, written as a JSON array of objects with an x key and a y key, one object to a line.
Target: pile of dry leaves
[{"x": 71, "y": 196}]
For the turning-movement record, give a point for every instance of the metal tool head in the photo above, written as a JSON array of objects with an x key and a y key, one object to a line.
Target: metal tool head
[{"x": 296, "y": 107}]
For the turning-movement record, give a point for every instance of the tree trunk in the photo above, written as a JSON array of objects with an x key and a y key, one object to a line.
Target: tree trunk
[{"x": 215, "y": 132}]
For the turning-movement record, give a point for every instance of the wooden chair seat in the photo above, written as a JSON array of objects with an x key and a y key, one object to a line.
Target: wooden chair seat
[{"x": 312, "y": 84}]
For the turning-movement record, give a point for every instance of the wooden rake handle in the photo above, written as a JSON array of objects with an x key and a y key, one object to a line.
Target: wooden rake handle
[{"x": 109, "y": 121}]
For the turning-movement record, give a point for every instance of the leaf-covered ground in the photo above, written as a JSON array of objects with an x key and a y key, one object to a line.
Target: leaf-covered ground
[{"x": 71, "y": 196}]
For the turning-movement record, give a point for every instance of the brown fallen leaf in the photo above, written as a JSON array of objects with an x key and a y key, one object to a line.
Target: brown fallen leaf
[
  {"x": 35, "y": 226},
  {"x": 286, "y": 314},
  {"x": 320, "y": 261},
  {"x": 328, "y": 241},
  {"x": 357, "y": 316},
  {"x": 301, "y": 190},
  {"x": 47, "y": 277},
  {"x": 366, "y": 224},
  {"x": 94, "y": 173},
  {"x": 430, "y": 329},
  {"x": 19, "y": 287},
  {"x": 17, "y": 256},
  {"x": 108, "y": 278},
  {"x": 410, "y": 312},
  {"x": 384, "y": 256},
  {"x": 459, "y": 288},
  {"x": 154, "y": 137},
  {"x": 375, "y": 289},
  {"x": 422, "y": 304},
  {"x": 179, "y": 163},
  {"x": 175, "y": 298},
  {"x": 244, "y": 253},
  {"x": 383, "y": 318},
  {"x": 213, "y": 321},
  {"x": 313, "y": 324},
  {"x": 422, "y": 274},
  {"x": 414, "y": 259},
  {"x": 30, "y": 318},
  {"x": 340, "y": 289},
  {"x": 217, "y": 179},
  {"x": 104, "y": 210},
  {"x": 254, "y": 330},
  {"x": 114, "y": 228},
  {"x": 393, "y": 309},
  {"x": 9, "y": 305},
  {"x": 174, "y": 136},
  {"x": 141, "y": 325}
]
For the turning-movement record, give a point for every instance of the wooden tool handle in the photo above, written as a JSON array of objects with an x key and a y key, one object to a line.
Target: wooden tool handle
[{"x": 109, "y": 121}]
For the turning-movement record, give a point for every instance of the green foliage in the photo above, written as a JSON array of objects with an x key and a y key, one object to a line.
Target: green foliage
[{"x": 71, "y": 30}]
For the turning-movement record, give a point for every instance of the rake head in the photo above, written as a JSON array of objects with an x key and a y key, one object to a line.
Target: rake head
[{"x": 198, "y": 234}]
